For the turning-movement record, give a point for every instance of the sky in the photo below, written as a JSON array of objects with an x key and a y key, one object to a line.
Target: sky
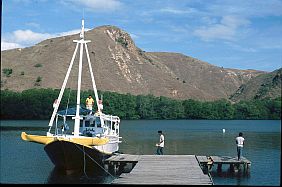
[{"x": 240, "y": 34}]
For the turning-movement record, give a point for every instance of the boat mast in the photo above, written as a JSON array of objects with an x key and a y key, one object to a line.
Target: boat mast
[
  {"x": 62, "y": 89},
  {"x": 77, "y": 117},
  {"x": 93, "y": 80}
]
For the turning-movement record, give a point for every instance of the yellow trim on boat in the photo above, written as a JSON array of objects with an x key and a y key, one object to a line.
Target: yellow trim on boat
[{"x": 86, "y": 141}]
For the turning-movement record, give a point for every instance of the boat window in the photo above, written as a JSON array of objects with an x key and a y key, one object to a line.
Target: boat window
[
  {"x": 107, "y": 123},
  {"x": 98, "y": 122},
  {"x": 92, "y": 123},
  {"x": 87, "y": 123},
  {"x": 81, "y": 123}
]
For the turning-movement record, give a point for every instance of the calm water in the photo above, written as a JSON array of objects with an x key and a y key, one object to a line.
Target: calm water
[{"x": 25, "y": 162}]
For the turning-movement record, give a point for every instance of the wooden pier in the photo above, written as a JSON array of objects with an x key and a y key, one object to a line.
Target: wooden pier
[
  {"x": 207, "y": 162},
  {"x": 158, "y": 169}
]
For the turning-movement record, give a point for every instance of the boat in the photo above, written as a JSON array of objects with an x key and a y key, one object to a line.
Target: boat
[{"x": 95, "y": 136}]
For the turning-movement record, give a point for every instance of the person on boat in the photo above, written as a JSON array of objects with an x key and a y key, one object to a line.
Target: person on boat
[
  {"x": 64, "y": 128},
  {"x": 89, "y": 102},
  {"x": 240, "y": 142},
  {"x": 100, "y": 104},
  {"x": 55, "y": 103},
  {"x": 160, "y": 145}
]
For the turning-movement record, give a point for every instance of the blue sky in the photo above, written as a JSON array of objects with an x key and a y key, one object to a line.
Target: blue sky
[{"x": 241, "y": 34}]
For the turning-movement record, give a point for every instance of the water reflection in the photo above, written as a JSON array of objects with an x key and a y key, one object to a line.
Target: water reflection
[
  {"x": 59, "y": 176},
  {"x": 239, "y": 177},
  {"x": 194, "y": 137},
  {"x": 229, "y": 173}
]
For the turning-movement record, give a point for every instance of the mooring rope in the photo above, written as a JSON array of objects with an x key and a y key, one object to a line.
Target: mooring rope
[
  {"x": 84, "y": 163},
  {"x": 93, "y": 160}
]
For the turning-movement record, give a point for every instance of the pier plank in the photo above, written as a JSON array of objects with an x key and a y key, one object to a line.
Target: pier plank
[
  {"x": 171, "y": 169},
  {"x": 229, "y": 160},
  {"x": 202, "y": 159},
  {"x": 165, "y": 169},
  {"x": 123, "y": 158}
]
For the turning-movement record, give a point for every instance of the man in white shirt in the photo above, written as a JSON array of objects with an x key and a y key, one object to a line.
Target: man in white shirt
[
  {"x": 160, "y": 145},
  {"x": 240, "y": 143}
]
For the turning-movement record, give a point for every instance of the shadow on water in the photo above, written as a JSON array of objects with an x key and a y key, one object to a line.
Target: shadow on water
[
  {"x": 59, "y": 176},
  {"x": 240, "y": 176},
  {"x": 230, "y": 174}
]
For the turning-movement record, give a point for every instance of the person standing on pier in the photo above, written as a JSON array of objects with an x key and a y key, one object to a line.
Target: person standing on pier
[
  {"x": 160, "y": 145},
  {"x": 240, "y": 143}
]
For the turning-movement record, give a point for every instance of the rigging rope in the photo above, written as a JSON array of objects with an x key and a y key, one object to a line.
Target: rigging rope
[
  {"x": 84, "y": 163},
  {"x": 68, "y": 102},
  {"x": 93, "y": 160}
]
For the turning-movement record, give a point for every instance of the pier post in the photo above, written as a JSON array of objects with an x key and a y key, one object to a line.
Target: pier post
[
  {"x": 106, "y": 167},
  {"x": 236, "y": 167},
  {"x": 219, "y": 167},
  {"x": 231, "y": 167},
  {"x": 112, "y": 168},
  {"x": 116, "y": 168},
  {"x": 205, "y": 168},
  {"x": 210, "y": 163},
  {"x": 248, "y": 167},
  {"x": 126, "y": 168}
]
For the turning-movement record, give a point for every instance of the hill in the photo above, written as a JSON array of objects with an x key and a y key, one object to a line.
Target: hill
[
  {"x": 119, "y": 66},
  {"x": 260, "y": 87}
]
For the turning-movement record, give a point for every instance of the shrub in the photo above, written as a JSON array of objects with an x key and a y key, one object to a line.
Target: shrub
[
  {"x": 7, "y": 72},
  {"x": 38, "y": 65},
  {"x": 37, "y": 81},
  {"x": 122, "y": 41}
]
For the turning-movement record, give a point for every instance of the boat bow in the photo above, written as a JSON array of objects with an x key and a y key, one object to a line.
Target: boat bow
[{"x": 86, "y": 141}]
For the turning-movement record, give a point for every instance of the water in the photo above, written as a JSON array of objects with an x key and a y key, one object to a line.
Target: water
[{"x": 25, "y": 162}]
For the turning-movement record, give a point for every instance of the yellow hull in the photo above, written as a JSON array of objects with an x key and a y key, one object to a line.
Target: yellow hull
[{"x": 86, "y": 141}]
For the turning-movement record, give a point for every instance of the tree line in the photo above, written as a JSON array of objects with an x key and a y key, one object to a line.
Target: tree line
[{"x": 38, "y": 104}]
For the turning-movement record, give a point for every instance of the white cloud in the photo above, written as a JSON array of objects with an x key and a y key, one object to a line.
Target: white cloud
[
  {"x": 22, "y": 38},
  {"x": 8, "y": 45},
  {"x": 75, "y": 31},
  {"x": 29, "y": 36},
  {"x": 246, "y": 8},
  {"x": 226, "y": 29},
  {"x": 134, "y": 36},
  {"x": 25, "y": 38},
  {"x": 95, "y": 5},
  {"x": 178, "y": 11}
]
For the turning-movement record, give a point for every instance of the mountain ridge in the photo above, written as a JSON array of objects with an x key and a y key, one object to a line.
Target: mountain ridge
[
  {"x": 260, "y": 87},
  {"x": 120, "y": 66}
]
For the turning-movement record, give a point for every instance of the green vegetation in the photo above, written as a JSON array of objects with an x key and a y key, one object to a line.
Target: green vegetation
[
  {"x": 122, "y": 41},
  {"x": 37, "y": 81},
  {"x": 2, "y": 83},
  {"x": 38, "y": 104},
  {"x": 38, "y": 65},
  {"x": 7, "y": 71}
]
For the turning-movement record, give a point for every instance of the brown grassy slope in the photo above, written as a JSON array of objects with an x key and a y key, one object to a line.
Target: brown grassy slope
[
  {"x": 259, "y": 87},
  {"x": 119, "y": 66}
]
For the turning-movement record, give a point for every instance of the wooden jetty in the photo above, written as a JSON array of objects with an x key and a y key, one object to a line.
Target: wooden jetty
[
  {"x": 158, "y": 169},
  {"x": 207, "y": 162},
  {"x": 121, "y": 163}
]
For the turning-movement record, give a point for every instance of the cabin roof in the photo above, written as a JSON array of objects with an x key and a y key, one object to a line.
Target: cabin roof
[{"x": 72, "y": 111}]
